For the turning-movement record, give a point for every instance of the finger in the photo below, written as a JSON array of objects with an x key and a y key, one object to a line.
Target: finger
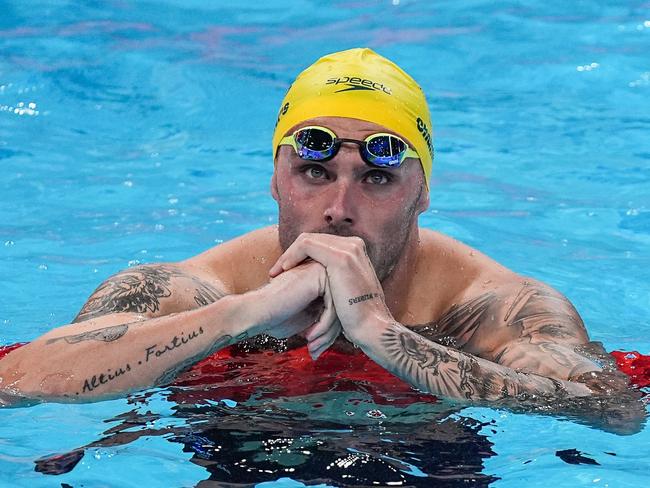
[
  {"x": 291, "y": 258},
  {"x": 317, "y": 247},
  {"x": 324, "y": 342},
  {"x": 321, "y": 327},
  {"x": 326, "y": 318},
  {"x": 323, "y": 333},
  {"x": 324, "y": 321}
]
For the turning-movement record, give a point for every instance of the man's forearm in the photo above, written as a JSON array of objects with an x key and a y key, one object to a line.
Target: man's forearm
[
  {"x": 85, "y": 361},
  {"x": 112, "y": 354},
  {"x": 449, "y": 373}
]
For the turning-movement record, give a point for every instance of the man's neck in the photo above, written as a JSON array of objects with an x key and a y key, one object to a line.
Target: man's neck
[{"x": 398, "y": 284}]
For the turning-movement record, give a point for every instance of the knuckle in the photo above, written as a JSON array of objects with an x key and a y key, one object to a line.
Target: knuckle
[
  {"x": 348, "y": 256},
  {"x": 358, "y": 240},
  {"x": 304, "y": 236},
  {"x": 358, "y": 245}
]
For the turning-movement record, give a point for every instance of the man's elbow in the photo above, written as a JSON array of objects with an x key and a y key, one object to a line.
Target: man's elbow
[{"x": 614, "y": 404}]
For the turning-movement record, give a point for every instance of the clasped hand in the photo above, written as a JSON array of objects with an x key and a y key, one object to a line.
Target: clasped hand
[{"x": 352, "y": 296}]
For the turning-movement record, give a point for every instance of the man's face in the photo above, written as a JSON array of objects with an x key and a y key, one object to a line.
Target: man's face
[{"x": 347, "y": 197}]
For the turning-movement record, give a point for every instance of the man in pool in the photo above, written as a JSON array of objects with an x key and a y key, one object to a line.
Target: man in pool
[{"x": 346, "y": 264}]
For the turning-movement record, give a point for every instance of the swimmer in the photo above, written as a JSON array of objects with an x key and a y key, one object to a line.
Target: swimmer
[{"x": 347, "y": 264}]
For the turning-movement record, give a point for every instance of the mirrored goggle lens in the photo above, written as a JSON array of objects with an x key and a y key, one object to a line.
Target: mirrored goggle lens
[
  {"x": 314, "y": 144},
  {"x": 386, "y": 150}
]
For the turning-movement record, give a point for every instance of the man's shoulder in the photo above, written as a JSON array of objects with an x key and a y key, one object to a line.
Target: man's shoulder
[
  {"x": 461, "y": 275},
  {"x": 450, "y": 256},
  {"x": 241, "y": 263},
  {"x": 487, "y": 303}
]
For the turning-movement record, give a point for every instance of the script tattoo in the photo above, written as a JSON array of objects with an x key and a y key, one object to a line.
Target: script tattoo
[
  {"x": 105, "y": 334},
  {"x": 205, "y": 295},
  {"x": 141, "y": 290},
  {"x": 362, "y": 298},
  {"x": 170, "y": 374},
  {"x": 175, "y": 343},
  {"x": 155, "y": 351},
  {"x": 100, "y": 379}
]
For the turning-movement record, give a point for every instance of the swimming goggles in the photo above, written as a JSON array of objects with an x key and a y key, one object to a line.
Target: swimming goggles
[{"x": 315, "y": 143}]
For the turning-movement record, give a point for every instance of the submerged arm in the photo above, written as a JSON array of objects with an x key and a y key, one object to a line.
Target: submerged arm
[{"x": 535, "y": 356}]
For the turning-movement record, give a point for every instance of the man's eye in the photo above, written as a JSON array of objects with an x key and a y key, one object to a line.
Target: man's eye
[
  {"x": 378, "y": 178},
  {"x": 315, "y": 172}
]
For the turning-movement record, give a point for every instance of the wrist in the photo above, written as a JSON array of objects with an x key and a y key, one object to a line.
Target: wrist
[
  {"x": 235, "y": 317},
  {"x": 367, "y": 333}
]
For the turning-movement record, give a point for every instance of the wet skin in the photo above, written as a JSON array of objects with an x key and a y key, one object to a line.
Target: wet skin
[{"x": 347, "y": 259}]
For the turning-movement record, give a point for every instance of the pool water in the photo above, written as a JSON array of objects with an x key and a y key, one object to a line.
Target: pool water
[{"x": 137, "y": 132}]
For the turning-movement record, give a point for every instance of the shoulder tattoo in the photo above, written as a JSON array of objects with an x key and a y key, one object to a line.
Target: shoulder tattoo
[
  {"x": 457, "y": 326},
  {"x": 141, "y": 289},
  {"x": 540, "y": 310}
]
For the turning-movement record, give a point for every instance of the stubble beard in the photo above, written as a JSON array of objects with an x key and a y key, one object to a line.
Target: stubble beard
[{"x": 383, "y": 255}]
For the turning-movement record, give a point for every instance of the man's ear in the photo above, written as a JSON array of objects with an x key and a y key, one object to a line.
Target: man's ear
[
  {"x": 274, "y": 187},
  {"x": 423, "y": 199}
]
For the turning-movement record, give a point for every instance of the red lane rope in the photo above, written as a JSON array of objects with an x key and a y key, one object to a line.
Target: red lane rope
[{"x": 635, "y": 365}]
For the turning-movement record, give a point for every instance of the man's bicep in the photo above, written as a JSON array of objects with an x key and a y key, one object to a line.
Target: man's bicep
[
  {"x": 151, "y": 290},
  {"x": 537, "y": 312},
  {"x": 544, "y": 333},
  {"x": 550, "y": 359}
]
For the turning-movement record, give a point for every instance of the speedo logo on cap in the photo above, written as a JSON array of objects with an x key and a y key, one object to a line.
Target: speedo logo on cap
[
  {"x": 356, "y": 83},
  {"x": 283, "y": 110},
  {"x": 426, "y": 134}
]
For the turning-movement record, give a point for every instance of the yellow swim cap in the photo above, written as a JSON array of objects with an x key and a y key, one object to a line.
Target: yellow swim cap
[{"x": 360, "y": 84}]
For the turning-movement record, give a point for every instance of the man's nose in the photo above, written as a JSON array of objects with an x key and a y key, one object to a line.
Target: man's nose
[{"x": 340, "y": 209}]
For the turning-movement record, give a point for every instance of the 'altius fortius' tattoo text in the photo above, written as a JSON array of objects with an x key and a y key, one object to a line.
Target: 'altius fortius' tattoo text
[
  {"x": 175, "y": 343},
  {"x": 152, "y": 353},
  {"x": 100, "y": 379}
]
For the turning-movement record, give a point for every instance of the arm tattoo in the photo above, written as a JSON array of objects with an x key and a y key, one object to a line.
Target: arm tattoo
[
  {"x": 543, "y": 334},
  {"x": 538, "y": 310},
  {"x": 152, "y": 353},
  {"x": 362, "y": 298},
  {"x": 134, "y": 290},
  {"x": 170, "y": 374},
  {"x": 141, "y": 290},
  {"x": 453, "y": 374},
  {"x": 459, "y": 324},
  {"x": 105, "y": 334},
  {"x": 205, "y": 295}
]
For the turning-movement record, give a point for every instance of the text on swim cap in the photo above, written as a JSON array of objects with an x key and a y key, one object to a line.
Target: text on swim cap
[
  {"x": 426, "y": 134},
  {"x": 356, "y": 83},
  {"x": 283, "y": 110}
]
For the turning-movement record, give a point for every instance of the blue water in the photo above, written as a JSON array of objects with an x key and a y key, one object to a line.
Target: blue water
[{"x": 136, "y": 132}]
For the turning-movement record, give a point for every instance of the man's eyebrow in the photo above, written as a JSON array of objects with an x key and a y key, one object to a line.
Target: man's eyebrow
[{"x": 365, "y": 168}]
